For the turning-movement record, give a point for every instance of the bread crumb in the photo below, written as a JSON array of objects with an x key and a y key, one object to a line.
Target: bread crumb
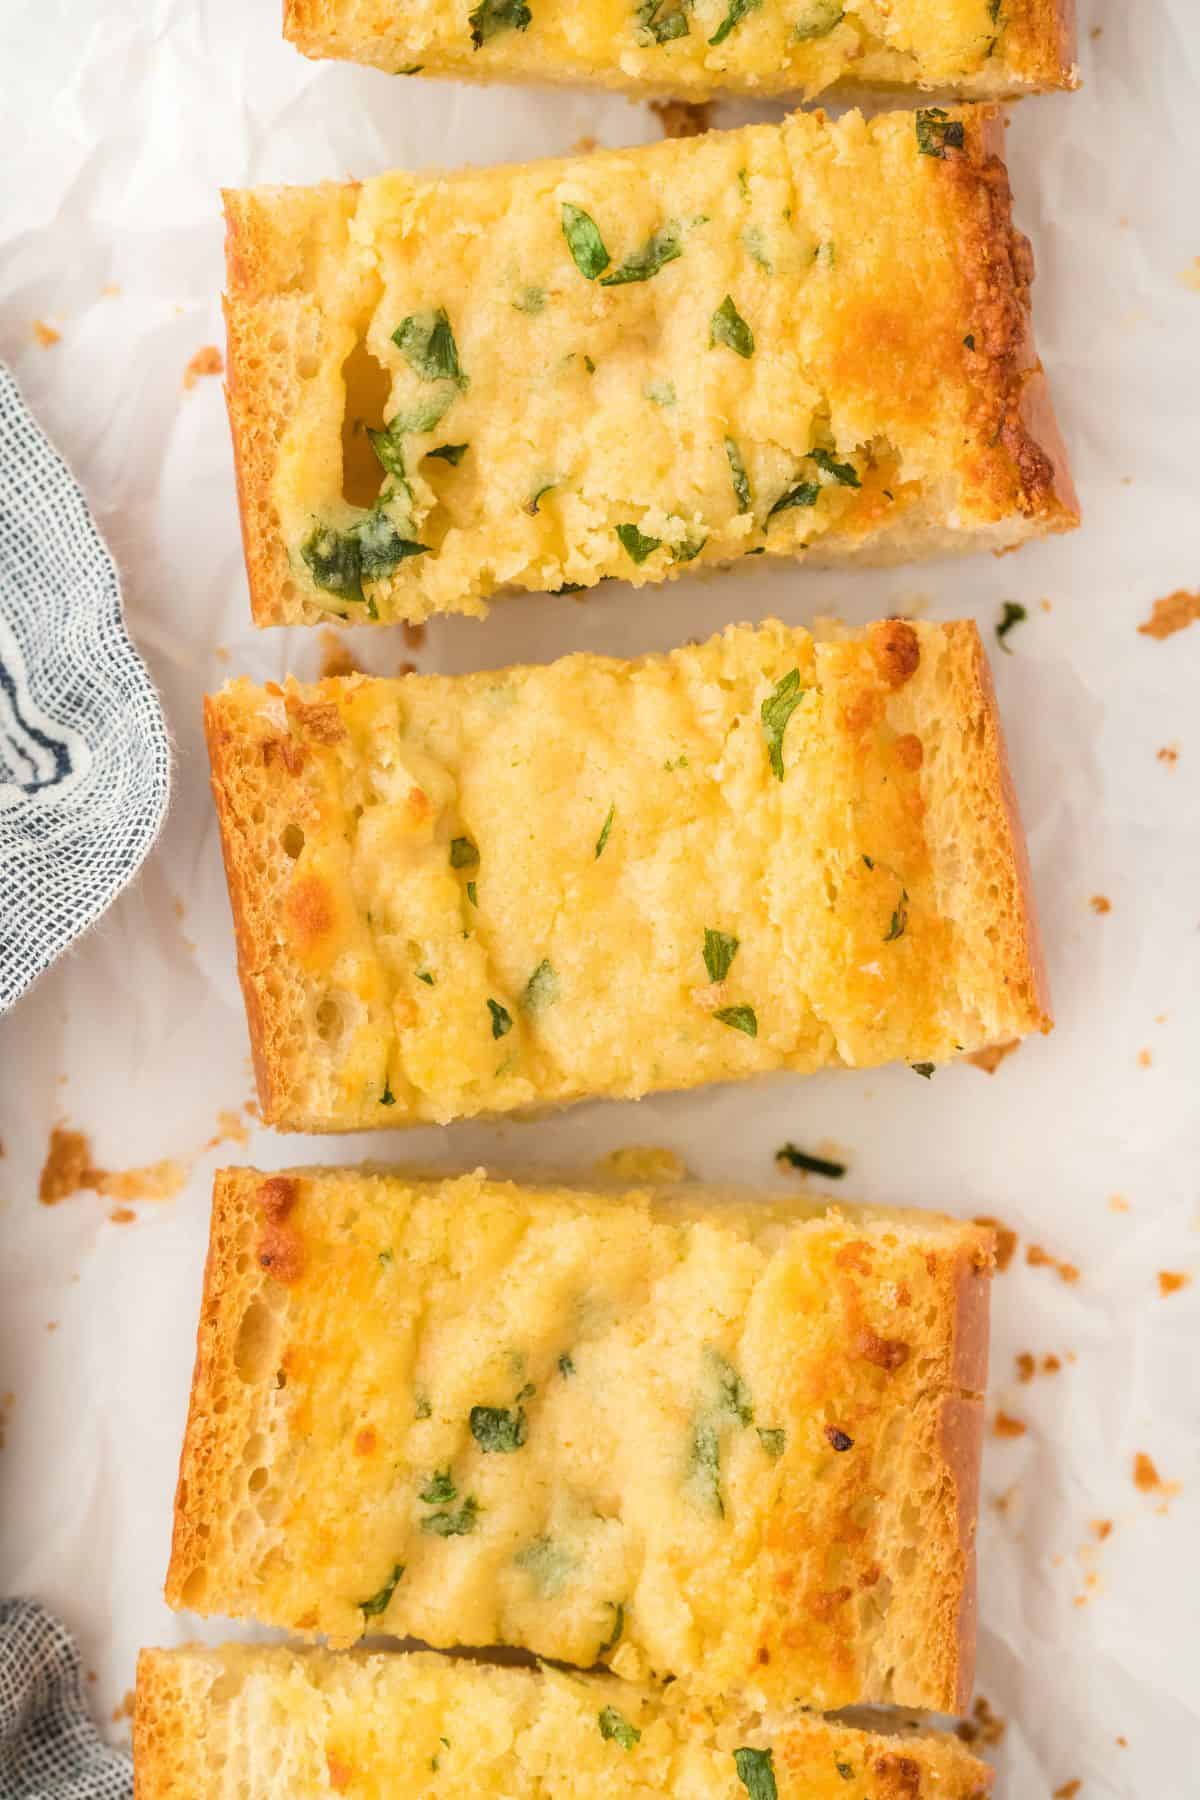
[
  {"x": 1100, "y": 903},
  {"x": 642, "y": 1162},
  {"x": 335, "y": 656},
  {"x": 122, "y": 1215},
  {"x": 414, "y": 635},
  {"x": 1068, "y": 1790},
  {"x": 681, "y": 118},
  {"x": 585, "y": 145},
  {"x": 207, "y": 361},
  {"x": 1145, "y": 1059},
  {"x": 1026, "y": 1366},
  {"x": 6, "y": 1406},
  {"x": 1006, "y": 1242},
  {"x": 1147, "y": 1479},
  {"x": 1171, "y": 614},
  {"x": 1037, "y": 1258},
  {"x": 1007, "y": 1502},
  {"x": 46, "y": 334},
  {"x": 1096, "y": 32},
  {"x": 110, "y": 290},
  {"x": 1102, "y": 1528},
  {"x": 406, "y": 667},
  {"x": 1005, "y": 1426},
  {"x": 221, "y": 652},
  {"x": 1190, "y": 277},
  {"x": 1169, "y": 754},
  {"x": 230, "y": 1130},
  {"x": 1045, "y": 606},
  {"x": 1171, "y": 1280},
  {"x": 68, "y": 1170},
  {"x": 51, "y": 1324},
  {"x": 1118, "y": 1203},
  {"x": 983, "y": 1727},
  {"x": 989, "y": 1060},
  {"x": 1051, "y": 1364},
  {"x": 1122, "y": 1743},
  {"x": 124, "y": 1709}
]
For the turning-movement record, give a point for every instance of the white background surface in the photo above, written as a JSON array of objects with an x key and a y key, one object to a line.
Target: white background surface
[{"x": 122, "y": 120}]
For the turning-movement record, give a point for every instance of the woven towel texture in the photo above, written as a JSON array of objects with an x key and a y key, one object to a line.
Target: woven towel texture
[
  {"x": 84, "y": 759},
  {"x": 49, "y": 1747}
]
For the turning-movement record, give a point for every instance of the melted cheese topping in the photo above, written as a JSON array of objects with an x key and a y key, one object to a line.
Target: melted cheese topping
[
  {"x": 505, "y": 880},
  {"x": 600, "y": 431},
  {"x": 678, "y": 1438},
  {"x": 772, "y": 46},
  {"x": 223, "y": 1724}
]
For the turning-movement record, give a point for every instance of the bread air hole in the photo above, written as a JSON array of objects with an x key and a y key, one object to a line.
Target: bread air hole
[
  {"x": 256, "y": 1349},
  {"x": 292, "y": 839},
  {"x": 329, "y": 1021},
  {"x": 368, "y": 390}
]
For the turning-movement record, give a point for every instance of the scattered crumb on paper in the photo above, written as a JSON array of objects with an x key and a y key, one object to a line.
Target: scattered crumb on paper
[
  {"x": 989, "y": 1060},
  {"x": 1146, "y": 1478},
  {"x": 681, "y": 118},
  {"x": 642, "y": 1162},
  {"x": 983, "y": 1727},
  {"x": 69, "y": 1169},
  {"x": 46, "y": 334},
  {"x": 1172, "y": 614},
  {"x": 1037, "y": 1258},
  {"x": 1006, "y": 1241},
  {"x": 1171, "y": 1280},
  {"x": 207, "y": 361},
  {"x": 1190, "y": 277},
  {"x": 1100, "y": 903},
  {"x": 335, "y": 656},
  {"x": 1005, "y": 1426}
]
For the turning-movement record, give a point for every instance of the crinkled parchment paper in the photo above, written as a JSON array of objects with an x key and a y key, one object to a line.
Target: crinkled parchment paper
[{"x": 121, "y": 123}]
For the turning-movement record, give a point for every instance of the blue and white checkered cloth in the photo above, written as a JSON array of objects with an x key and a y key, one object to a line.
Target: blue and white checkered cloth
[
  {"x": 84, "y": 759},
  {"x": 49, "y": 1747}
]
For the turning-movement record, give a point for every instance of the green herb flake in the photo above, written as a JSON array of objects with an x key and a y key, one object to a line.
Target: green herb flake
[
  {"x": 637, "y": 546},
  {"x": 741, "y": 1018},
  {"x": 541, "y": 989},
  {"x": 687, "y": 550},
  {"x": 379, "y": 1603},
  {"x": 548, "y": 1565},
  {"x": 450, "y": 453},
  {"x": 661, "y": 392},
  {"x": 389, "y": 451},
  {"x": 453, "y": 1524},
  {"x": 664, "y": 20},
  {"x": 937, "y": 132},
  {"x": 589, "y": 365},
  {"x": 463, "y": 853},
  {"x": 497, "y": 1429},
  {"x": 802, "y": 493},
  {"x": 773, "y": 1440},
  {"x": 422, "y": 1410},
  {"x": 566, "y": 1366},
  {"x": 733, "y": 1396},
  {"x": 819, "y": 21},
  {"x": 473, "y": 897},
  {"x": 719, "y": 952},
  {"x": 422, "y": 417},
  {"x": 775, "y": 712},
  {"x": 844, "y": 1770},
  {"x": 411, "y": 69},
  {"x": 426, "y": 339},
  {"x": 704, "y": 1466},
  {"x": 533, "y": 504},
  {"x": 494, "y": 16},
  {"x": 381, "y": 549},
  {"x": 385, "y": 1257},
  {"x": 387, "y": 1098},
  {"x": 662, "y": 247},
  {"x": 614, "y": 1636},
  {"x": 615, "y": 1726},
  {"x": 755, "y": 243},
  {"x": 728, "y": 327},
  {"x": 1014, "y": 614},
  {"x": 531, "y": 300},
  {"x": 733, "y": 18},
  {"x": 334, "y": 560},
  {"x": 843, "y": 472},
  {"x": 605, "y": 829},
  {"x": 925, "y": 1069},
  {"x": 440, "y": 1489},
  {"x": 789, "y": 1157},
  {"x": 584, "y": 242},
  {"x": 756, "y": 1772},
  {"x": 425, "y": 976},
  {"x": 969, "y": 340},
  {"x": 501, "y": 1022},
  {"x": 899, "y": 922},
  {"x": 741, "y": 481}
]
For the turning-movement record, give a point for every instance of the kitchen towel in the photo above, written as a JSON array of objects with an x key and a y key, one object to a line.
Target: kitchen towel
[{"x": 49, "y": 1747}]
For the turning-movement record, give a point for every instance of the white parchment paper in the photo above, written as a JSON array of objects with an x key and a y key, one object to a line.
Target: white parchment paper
[{"x": 121, "y": 122}]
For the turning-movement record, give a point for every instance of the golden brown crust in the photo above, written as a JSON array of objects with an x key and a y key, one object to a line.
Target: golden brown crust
[{"x": 165, "y": 1765}]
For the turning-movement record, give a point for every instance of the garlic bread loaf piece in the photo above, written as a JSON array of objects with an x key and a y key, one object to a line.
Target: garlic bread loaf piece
[
  {"x": 679, "y": 1431},
  {"x": 484, "y": 893},
  {"x": 695, "y": 49},
  {"x": 807, "y": 339},
  {"x": 252, "y": 1723}
]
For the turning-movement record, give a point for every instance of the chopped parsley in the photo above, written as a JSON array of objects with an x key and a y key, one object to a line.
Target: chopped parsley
[
  {"x": 737, "y": 12},
  {"x": 792, "y": 1158},
  {"x": 616, "y": 1726},
  {"x": 823, "y": 15},
  {"x": 741, "y": 1018},
  {"x": 728, "y": 327},
  {"x": 493, "y": 16},
  {"x": 719, "y": 952},
  {"x": 925, "y": 1069},
  {"x": 534, "y": 502},
  {"x": 440, "y": 1489},
  {"x": 566, "y": 1365},
  {"x": 969, "y": 340},
  {"x": 844, "y": 1770},
  {"x": 663, "y": 25},
  {"x": 704, "y": 1474},
  {"x": 584, "y": 242},
  {"x": 614, "y": 1636},
  {"x": 425, "y": 976},
  {"x": 541, "y": 989},
  {"x": 937, "y": 132},
  {"x": 497, "y": 1429},
  {"x": 334, "y": 560},
  {"x": 733, "y": 1396},
  {"x": 548, "y": 1565},
  {"x": 1014, "y": 614},
  {"x": 661, "y": 247},
  {"x": 756, "y": 1772},
  {"x": 387, "y": 1098},
  {"x": 801, "y": 493},
  {"x": 501, "y": 1023},
  {"x": 422, "y": 1410},
  {"x": 422, "y": 417},
  {"x": 688, "y": 549},
  {"x": 661, "y": 392},
  {"x": 450, "y": 453},
  {"x": 636, "y": 545},
  {"x": 389, "y": 450},
  {"x": 755, "y": 243},
  {"x": 775, "y": 712},
  {"x": 385, "y": 1257},
  {"x": 379, "y": 1603},
  {"x": 463, "y": 853},
  {"x": 453, "y": 1524},
  {"x": 741, "y": 481},
  {"x": 842, "y": 472},
  {"x": 426, "y": 339},
  {"x": 899, "y": 919},
  {"x": 473, "y": 897},
  {"x": 381, "y": 549},
  {"x": 605, "y": 829},
  {"x": 531, "y": 300},
  {"x": 773, "y": 1440}
]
